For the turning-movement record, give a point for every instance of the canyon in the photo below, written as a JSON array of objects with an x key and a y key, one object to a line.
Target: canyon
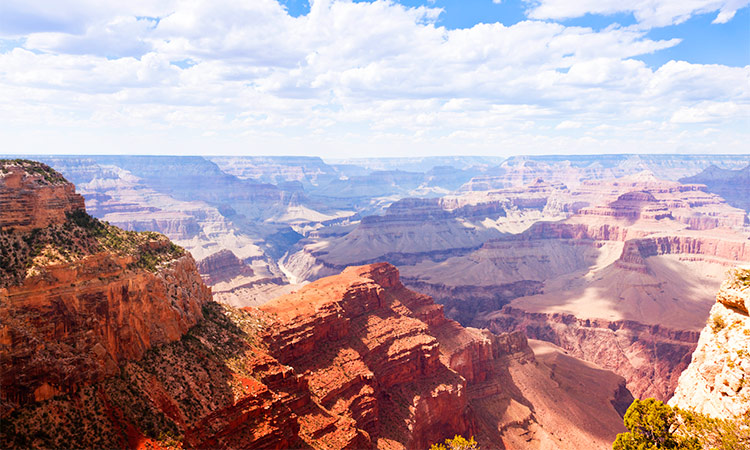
[
  {"x": 112, "y": 340},
  {"x": 620, "y": 272},
  {"x": 562, "y": 288}
]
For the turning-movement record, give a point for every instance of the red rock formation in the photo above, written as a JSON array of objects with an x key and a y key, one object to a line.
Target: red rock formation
[
  {"x": 350, "y": 361},
  {"x": 77, "y": 322},
  {"x": 32, "y": 195},
  {"x": 367, "y": 356},
  {"x": 81, "y": 308}
]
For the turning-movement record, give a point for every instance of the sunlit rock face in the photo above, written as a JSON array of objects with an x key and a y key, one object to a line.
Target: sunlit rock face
[
  {"x": 78, "y": 297},
  {"x": 717, "y": 382},
  {"x": 354, "y": 360},
  {"x": 33, "y": 195}
]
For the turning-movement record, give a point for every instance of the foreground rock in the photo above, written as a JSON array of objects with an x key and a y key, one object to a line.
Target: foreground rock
[
  {"x": 79, "y": 297},
  {"x": 351, "y": 361},
  {"x": 717, "y": 382}
]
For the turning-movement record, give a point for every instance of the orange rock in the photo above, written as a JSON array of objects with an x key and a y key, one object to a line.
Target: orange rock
[{"x": 32, "y": 195}]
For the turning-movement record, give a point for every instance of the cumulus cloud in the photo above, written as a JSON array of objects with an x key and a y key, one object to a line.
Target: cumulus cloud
[
  {"x": 652, "y": 13},
  {"x": 349, "y": 75}
]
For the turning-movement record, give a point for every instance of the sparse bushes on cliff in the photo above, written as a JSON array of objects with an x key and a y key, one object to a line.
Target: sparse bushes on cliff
[
  {"x": 653, "y": 425},
  {"x": 717, "y": 323},
  {"x": 49, "y": 174},
  {"x": 81, "y": 235}
]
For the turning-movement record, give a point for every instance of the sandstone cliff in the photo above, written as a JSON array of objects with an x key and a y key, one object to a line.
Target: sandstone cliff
[
  {"x": 79, "y": 297},
  {"x": 350, "y": 361},
  {"x": 33, "y": 195},
  {"x": 717, "y": 382}
]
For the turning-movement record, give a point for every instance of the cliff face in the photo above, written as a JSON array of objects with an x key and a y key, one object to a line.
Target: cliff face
[
  {"x": 77, "y": 296},
  {"x": 222, "y": 266},
  {"x": 367, "y": 355},
  {"x": 350, "y": 361},
  {"x": 717, "y": 382},
  {"x": 650, "y": 357},
  {"x": 32, "y": 195}
]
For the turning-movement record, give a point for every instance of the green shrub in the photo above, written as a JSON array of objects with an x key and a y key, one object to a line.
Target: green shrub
[{"x": 653, "y": 425}]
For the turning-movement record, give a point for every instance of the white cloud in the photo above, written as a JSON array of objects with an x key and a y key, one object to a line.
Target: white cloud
[
  {"x": 568, "y": 125},
  {"x": 349, "y": 76},
  {"x": 22, "y": 17},
  {"x": 709, "y": 112},
  {"x": 651, "y": 13}
]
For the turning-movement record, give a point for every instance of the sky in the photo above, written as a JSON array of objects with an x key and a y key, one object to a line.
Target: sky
[{"x": 357, "y": 78}]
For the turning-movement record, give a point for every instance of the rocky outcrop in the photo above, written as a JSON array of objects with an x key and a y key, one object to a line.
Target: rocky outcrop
[
  {"x": 33, "y": 195},
  {"x": 79, "y": 297},
  {"x": 77, "y": 322},
  {"x": 222, "y": 266},
  {"x": 350, "y": 361},
  {"x": 367, "y": 355},
  {"x": 717, "y": 382}
]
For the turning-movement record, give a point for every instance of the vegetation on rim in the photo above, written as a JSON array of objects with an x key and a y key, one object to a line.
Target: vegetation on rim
[
  {"x": 739, "y": 278},
  {"x": 49, "y": 174},
  {"x": 24, "y": 254},
  {"x": 654, "y": 425}
]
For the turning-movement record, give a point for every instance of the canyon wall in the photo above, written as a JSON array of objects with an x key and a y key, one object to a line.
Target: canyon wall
[
  {"x": 32, "y": 195},
  {"x": 717, "y": 382},
  {"x": 350, "y": 361},
  {"x": 650, "y": 357},
  {"x": 79, "y": 297}
]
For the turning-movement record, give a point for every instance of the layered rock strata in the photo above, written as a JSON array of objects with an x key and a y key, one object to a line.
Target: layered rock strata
[
  {"x": 717, "y": 381},
  {"x": 222, "y": 266},
  {"x": 626, "y": 285},
  {"x": 79, "y": 297},
  {"x": 350, "y": 361},
  {"x": 33, "y": 195}
]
